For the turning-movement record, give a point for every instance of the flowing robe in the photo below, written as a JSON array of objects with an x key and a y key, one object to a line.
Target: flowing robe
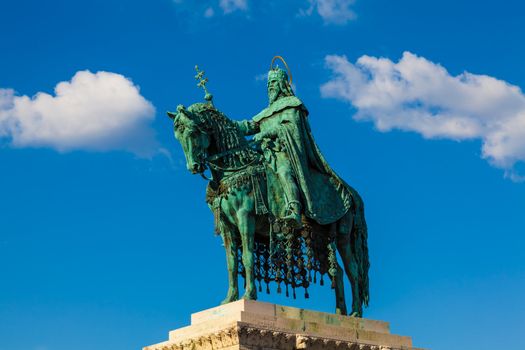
[{"x": 284, "y": 128}]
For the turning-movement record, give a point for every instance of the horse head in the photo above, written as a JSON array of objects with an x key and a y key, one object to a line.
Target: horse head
[{"x": 191, "y": 132}]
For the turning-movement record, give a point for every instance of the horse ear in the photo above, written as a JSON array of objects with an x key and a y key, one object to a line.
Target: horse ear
[{"x": 171, "y": 115}]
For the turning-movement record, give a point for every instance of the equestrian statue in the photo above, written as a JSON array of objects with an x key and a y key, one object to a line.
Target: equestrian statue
[{"x": 282, "y": 212}]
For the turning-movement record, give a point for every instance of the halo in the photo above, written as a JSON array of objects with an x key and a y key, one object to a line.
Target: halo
[{"x": 287, "y": 69}]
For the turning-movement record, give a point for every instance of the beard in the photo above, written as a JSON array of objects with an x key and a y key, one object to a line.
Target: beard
[{"x": 273, "y": 94}]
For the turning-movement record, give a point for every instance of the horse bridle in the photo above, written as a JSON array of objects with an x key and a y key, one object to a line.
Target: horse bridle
[{"x": 209, "y": 161}]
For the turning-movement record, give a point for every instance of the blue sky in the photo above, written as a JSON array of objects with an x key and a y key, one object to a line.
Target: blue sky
[{"x": 105, "y": 239}]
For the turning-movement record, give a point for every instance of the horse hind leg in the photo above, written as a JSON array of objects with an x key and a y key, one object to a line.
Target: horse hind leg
[
  {"x": 349, "y": 262},
  {"x": 340, "y": 302},
  {"x": 357, "y": 303}
]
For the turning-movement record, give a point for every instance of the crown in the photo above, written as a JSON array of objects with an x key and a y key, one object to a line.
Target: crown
[{"x": 277, "y": 73}]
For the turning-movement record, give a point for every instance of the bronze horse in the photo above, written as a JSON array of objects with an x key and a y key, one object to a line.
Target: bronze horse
[{"x": 235, "y": 194}]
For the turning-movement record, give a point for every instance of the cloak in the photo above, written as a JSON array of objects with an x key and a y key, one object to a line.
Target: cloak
[{"x": 325, "y": 196}]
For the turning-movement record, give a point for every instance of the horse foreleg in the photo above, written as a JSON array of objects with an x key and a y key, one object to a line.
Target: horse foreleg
[
  {"x": 340, "y": 302},
  {"x": 230, "y": 246},
  {"x": 246, "y": 225}
]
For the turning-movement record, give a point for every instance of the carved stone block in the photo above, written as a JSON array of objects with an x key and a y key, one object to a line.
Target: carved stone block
[{"x": 254, "y": 325}]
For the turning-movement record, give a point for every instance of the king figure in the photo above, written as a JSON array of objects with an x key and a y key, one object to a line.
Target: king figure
[{"x": 300, "y": 181}]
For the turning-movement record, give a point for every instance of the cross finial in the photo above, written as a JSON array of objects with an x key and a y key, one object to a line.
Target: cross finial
[{"x": 202, "y": 81}]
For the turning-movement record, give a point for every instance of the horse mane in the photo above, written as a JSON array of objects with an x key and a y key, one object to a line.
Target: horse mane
[{"x": 225, "y": 133}]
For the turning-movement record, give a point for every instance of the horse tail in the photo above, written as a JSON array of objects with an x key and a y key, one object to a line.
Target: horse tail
[{"x": 359, "y": 236}]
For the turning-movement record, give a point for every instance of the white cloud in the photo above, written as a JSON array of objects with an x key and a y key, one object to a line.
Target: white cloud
[
  {"x": 418, "y": 95},
  {"x": 100, "y": 112},
  {"x": 209, "y": 12},
  {"x": 332, "y": 11},
  {"x": 208, "y": 7},
  {"x": 261, "y": 77},
  {"x": 229, "y": 6}
]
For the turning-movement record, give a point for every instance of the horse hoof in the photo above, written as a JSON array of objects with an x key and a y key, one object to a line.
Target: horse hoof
[
  {"x": 356, "y": 314},
  {"x": 228, "y": 300},
  {"x": 340, "y": 311},
  {"x": 250, "y": 296}
]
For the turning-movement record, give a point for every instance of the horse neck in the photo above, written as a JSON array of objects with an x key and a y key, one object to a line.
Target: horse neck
[
  {"x": 232, "y": 155},
  {"x": 221, "y": 144}
]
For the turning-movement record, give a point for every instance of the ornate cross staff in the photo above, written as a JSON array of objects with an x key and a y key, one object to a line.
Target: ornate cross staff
[{"x": 202, "y": 81}]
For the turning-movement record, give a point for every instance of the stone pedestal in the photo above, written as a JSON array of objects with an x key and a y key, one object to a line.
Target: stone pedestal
[{"x": 254, "y": 325}]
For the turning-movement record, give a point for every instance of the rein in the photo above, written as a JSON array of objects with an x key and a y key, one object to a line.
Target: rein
[
  {"x": 230, "y": 151},
  {"x": 210, "y": 165},
  {"x": 209, "y": 160},
  {"x": 242, "y": 167}
]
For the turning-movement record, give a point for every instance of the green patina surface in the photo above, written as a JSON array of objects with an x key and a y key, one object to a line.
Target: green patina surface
[{"x": 281, "y": 210}]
